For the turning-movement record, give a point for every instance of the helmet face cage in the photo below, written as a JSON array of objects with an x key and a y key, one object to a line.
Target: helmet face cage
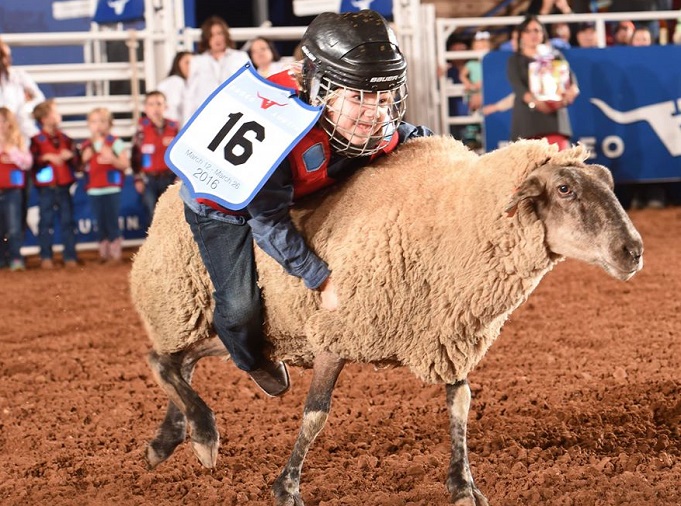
[
  {"x": 360, "y": 122},
  {"x": 353, "y": 66}
]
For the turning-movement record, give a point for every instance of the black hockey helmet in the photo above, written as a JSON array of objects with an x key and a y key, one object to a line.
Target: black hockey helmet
[{"x": 354, "y": 50}]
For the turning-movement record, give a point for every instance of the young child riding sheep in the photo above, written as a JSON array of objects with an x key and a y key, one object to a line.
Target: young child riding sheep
[{"x": 354, "y": 68}]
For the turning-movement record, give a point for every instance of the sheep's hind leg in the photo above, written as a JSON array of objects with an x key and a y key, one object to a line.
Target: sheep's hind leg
[
  {"x": 459, "y": 479},
  {"x": 173, "y": 372},
  {"x": 327, "y": 367}
]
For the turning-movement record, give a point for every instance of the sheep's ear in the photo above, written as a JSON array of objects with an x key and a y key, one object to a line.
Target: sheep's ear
[
  {"x": 604, "y": 174},
  {"x": 531, "y": 187}
]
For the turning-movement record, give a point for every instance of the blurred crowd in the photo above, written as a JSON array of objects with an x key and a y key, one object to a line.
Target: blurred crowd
[
  {"x": 533, "y": 117},
  {"x": 37, "y": 156}
]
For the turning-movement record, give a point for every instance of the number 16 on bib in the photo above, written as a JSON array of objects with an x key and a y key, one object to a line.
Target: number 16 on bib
[{"x": 238, "y": 137}]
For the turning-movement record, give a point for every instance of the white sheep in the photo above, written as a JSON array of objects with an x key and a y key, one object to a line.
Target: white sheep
[{"x": 431, "y": 247}]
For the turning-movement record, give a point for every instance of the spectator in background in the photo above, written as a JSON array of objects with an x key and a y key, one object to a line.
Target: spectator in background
[
  {"x": 174, "y": 85},
  {"x": 561, "y": 36},
  {"x": 676, "y": 37},
  {"x": 471, "y": 77},
  {"x": 217, "y": 61},
  {"x": 502, "y": 105},
  {"x": 639, "y": 6},
  {"x": 18, "y": 92},
  {"x": 641, "y": 37},
  {"x": 622, "y": 33},
  {"x": 105, "y": 159},
  {"x": 471, "y": 73},
  {"x": 265, "y": 57},
  {"x": 154, "y": 134},
  {"x": 457, "y": 106},
  {"x": 15, "y": 160},
  {"x": 533, "y": 118},
  {"x": 537, "y": 7},
  {"x": 505, "y": 103},
  {"x": 653, "y": 195},
  {"x": 54, "y": 154},
  {"x": 512, "y": 43},
  {"x": 586, "y": 35}
]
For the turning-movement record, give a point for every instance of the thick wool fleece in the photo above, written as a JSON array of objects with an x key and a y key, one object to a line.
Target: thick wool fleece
[
  {"x": 427, "y": 264},
  {"x": 169, "y": 285}
]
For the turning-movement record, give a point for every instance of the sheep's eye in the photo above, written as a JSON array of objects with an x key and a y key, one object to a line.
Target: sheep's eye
[{"x": 565, "y": 190}]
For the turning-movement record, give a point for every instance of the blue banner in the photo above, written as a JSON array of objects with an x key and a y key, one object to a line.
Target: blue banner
[{"x": 628, "y": 112}]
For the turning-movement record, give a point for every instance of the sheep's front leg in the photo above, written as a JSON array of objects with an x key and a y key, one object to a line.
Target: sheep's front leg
[
  {"x": 459, "y": 479},
  {"x": 173, "y": 372},
  {"x": 168, "y": 436},
  {"x": 327, "y": 367}
]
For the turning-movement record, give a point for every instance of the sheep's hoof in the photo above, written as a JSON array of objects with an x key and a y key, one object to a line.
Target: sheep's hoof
[
  {"x": 477, "y": 499},
  {"x": 289, "y": 500},
  {"x": 286, "y": 492},
  {"x": 207, "y": 453},
  {"x": 157, "y": 454}
]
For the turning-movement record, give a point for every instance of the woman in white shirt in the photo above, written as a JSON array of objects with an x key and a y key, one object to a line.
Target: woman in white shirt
[
  {"x": 173, "y": 86},
  {"x": 18, "y": 92},
  {"x": 217, "y": 61},
  {"x": 265, "y": 57}
]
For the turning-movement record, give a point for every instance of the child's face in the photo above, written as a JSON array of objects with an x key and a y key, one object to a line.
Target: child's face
[
  {"x": 641, "y": 38},
  {"x": 52, "y": 119},
  {"x": 623, "y": 35},
  {"x": 98, "y": 124},
  {"x": 154, "y": 108},
  {"x": 358, "y": 115},
  {"x": 481, "y": 45}
]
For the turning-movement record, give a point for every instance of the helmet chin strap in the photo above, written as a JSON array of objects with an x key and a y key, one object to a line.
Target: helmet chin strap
[{"x": 315, "y": 84}]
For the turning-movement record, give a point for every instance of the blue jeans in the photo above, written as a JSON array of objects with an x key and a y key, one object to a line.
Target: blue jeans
[
  {"x": 154, "y": 187},
  {"x": 11, "y": 224},
  {"x": 51, "y": 200},
  {"x": 227, "y": 252},
  {"x": 105, "y": 209}
]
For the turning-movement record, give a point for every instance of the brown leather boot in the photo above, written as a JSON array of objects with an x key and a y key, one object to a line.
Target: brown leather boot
[{"x": 271, "y": 377}]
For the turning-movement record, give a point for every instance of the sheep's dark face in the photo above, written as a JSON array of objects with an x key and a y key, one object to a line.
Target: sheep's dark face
[{"x": 583, "y": 218}]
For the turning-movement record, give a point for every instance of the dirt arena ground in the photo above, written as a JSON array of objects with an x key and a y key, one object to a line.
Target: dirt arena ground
[{"x": 578, "y": 402}]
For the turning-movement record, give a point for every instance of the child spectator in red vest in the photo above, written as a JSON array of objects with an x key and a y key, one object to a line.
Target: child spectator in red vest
[
  {"x": 105, "y": 159},
  {"x": 154, "y": 134},
  {"x": 53, "y": 175},
  {"x": 15, "y": 160}
]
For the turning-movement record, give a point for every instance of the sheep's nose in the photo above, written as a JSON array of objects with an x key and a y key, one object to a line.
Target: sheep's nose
[{"x": 635, "y": 252}]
